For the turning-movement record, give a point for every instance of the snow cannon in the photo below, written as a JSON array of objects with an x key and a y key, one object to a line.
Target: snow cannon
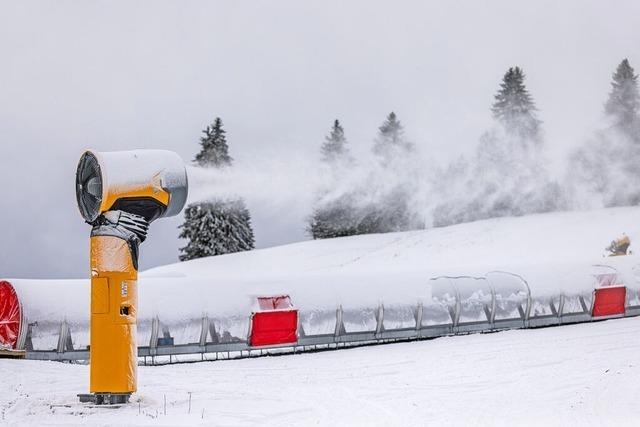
[{"x": 119, "y": 194}]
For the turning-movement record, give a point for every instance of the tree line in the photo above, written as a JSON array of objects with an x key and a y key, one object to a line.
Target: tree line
[{"x": 506, "y": 175}]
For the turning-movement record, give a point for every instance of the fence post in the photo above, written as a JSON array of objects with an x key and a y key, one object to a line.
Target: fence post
[
  {"x": 561, "y": 306},
  {"x": 25, "y": 328},
  {"x": 339, "y": 329},
  {"x": 380, "y": 319},
  {"x": 204, "y": 331},
  {"x": 493, "y": 306},
  {"x": 458, "y": 308},
  {"x": 153, "y": 341},
  {"x": 418, "y": 316},
  {"x": 62, "y": 336}
]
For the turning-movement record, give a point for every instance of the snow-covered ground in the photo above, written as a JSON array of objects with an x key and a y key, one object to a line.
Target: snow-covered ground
[
  {"x": 587, "y": 374},
  {"x": 554, "y": 252}
]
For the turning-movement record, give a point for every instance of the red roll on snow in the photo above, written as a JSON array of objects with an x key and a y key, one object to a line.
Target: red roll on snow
[
  {"x": 275, "y": 323},
  {"x": 10, "y": 316}
]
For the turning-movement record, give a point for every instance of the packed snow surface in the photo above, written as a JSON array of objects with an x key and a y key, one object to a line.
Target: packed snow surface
[{"x": 584, "y": 374}]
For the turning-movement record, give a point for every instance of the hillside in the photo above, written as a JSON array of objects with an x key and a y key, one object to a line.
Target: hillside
[{"x": 554, "y": 252}]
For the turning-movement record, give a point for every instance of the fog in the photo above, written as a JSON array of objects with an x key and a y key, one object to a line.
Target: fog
[{"x": 117, "y": 75}]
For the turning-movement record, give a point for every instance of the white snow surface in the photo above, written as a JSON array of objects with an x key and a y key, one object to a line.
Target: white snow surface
[
  {"x": 584, "y": 374},
  {"x": 554, "y": 252}
]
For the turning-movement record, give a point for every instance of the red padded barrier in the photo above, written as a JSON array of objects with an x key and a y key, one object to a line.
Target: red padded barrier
[
  {"x": 609, "y": 301},
  {"x": 274, "y": 327},
  {"x": 10, "y": 315}
]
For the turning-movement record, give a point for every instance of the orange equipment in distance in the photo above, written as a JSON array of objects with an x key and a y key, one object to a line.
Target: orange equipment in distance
[{"x": 619, "y": 246}]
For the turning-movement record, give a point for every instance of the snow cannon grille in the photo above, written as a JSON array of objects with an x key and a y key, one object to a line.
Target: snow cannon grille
[{"x": 89, "y": 187}]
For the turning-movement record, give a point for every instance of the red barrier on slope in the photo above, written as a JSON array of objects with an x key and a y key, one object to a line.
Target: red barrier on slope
[
  {"x": 10, "y": 315},
  {"x": 609, "y": 301},
  {"x": 275, "y": 323}
]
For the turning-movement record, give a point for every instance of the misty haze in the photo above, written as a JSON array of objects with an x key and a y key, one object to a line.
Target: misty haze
[
  {"x": 427, "y": 210},
  {"x": 93, "y": 76}
]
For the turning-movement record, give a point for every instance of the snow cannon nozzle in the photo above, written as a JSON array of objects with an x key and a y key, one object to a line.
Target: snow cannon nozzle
[{"x": 148, "y": 183}]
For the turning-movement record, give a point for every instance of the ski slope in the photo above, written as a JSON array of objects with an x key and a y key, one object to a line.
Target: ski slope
[{"x": 586, "y": 374}]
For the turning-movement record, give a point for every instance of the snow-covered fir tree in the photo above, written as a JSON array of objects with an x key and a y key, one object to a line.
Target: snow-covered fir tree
[
  {"x": 334, "y": 216},
  {"x": 623, "y": 104},
  {"x": 391, "y": 140},
  {"x": 334, "y": 149},
  {"x": 215, "y": 227},
  {"x": 214, "y": 150},
  {"x": 507, "y": 175},
  {"x": 514, "y": 107},
  {"x": 367, "y": 196},
  {"x": 605, "y": 169},
  {"x": 389, "y": 187}
]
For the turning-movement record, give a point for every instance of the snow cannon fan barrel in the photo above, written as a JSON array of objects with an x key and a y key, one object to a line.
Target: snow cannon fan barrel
[
  {"x": 120, "y": 193},
  {"x": 148, "y": 183}
]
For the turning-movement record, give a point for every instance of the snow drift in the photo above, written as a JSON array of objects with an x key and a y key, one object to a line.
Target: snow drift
[{"x": 546, "y": 255}]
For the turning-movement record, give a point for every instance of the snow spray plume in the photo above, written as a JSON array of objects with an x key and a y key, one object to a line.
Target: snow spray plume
[
  {"x": 603, "y": 172},
  {"x": 295, "y": 183}
]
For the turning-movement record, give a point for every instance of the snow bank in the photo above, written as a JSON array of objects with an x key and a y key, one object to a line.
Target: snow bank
[{"x": 554, "y": 253}]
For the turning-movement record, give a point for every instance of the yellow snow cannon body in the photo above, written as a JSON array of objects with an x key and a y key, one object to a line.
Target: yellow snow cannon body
[
  {"x": 120, "y": 193},
  {"x": 619, "y": 246}
]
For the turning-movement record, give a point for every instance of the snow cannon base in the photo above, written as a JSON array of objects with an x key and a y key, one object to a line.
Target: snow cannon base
[{"x": 105, "y": 398}]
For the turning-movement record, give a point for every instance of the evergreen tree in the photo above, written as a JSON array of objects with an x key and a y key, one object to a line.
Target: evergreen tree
[
  {"x": 215, "y": 227},
  {"x": 335, "y": 148},
  {"x": 390, "y": 210},
  {"x": 214, "y": 150},
  {"x": 603, "y": 171},
  {"x": 391, "y": 140},
  {"x": 389, "y": 213},
  {"x": 334, "y": 217},
  {"x": 507, "y": 176},
  {"x": 623, "y": 104},
  {"x": 514, "y": 107}
]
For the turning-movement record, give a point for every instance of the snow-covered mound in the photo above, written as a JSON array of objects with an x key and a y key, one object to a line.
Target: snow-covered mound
[{"x": 554, "y": 253}]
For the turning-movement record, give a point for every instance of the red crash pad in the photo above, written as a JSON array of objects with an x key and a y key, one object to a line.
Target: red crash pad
[
  {"x": 276, "y": 322},
  {"x": 609, "y": 301},
  {"x": 10, "y": 315}
]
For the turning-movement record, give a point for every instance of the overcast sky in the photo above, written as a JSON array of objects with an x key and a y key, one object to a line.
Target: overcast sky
[{"x": 122, "y": 75}]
